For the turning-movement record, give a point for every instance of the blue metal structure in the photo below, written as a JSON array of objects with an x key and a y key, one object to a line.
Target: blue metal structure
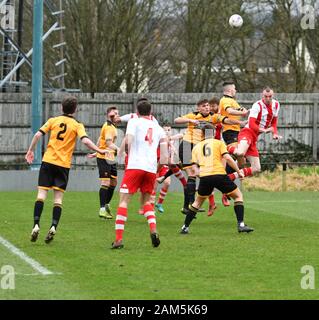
[{"x": 37, "y": 71}]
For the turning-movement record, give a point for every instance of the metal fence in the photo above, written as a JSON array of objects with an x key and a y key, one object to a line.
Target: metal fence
[{"x": 298, "y": 119}]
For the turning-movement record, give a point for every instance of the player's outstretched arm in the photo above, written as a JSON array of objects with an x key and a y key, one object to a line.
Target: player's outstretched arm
[
  {"x": 164, "y": 151},
  {"x": 195, "y": 169},
  {"x": 122, "y": 148},
  {"x": 275, "y": 130},
  {"x": 91, "y": 145},
  {"x": 92, "y": 155},
  {"x": 30, "y": 154},
  {"x": 177, "y": 136},
  {"x": 129, "y": 140},
  {"x": 230, "y": 161},
  {"x": 126, "y": 117},
  {"x": 238, "y": 112},
  {"x": 183, "y": 120},
  {"x": 232, "y": 121}
]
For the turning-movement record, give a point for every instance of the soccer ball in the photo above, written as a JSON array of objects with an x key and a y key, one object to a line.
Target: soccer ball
[{"x": 236, "y": 21}]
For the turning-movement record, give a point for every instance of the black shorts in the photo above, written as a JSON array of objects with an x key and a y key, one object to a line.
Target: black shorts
[
  {"x": 107, "y": 169},
  {"x": 185, "y": 153},
  {"x": 52, "y": 176},
  {"x": 219, "y": 181},
  {"x": 230, "y": 136}
]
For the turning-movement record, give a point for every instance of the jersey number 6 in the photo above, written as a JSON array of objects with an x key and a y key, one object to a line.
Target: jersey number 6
[{"x": 207, "y": 151}]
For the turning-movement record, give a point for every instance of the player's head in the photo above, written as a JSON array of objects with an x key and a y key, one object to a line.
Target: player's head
[
  {"x": 208, "y": 131},
  {"x": 112, "y": 114},
  {"x": 141, "y": 99},
  {"x": 144, "y": 108},
  {"x": 203, "y": 107},
  {"x": 229, "y": 88},
  {"x": 167, "y": 128},
  {"x": 214, "y": 104},
  {"x": 267, "y": 95},
  {"x": 69, "y": 105}
]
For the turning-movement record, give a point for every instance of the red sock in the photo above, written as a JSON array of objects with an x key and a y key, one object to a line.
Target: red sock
[
  {"x": 150, "y": 216},
  {"x": 211, "y": 200},
  {"x": 121, "y": 217},
  {"x": 231, "y": 149},
  {"x": 248, "y": 172},
  {"x": 233, "y": 176},
  {"x": 152, "y": 198},
  {"x": 179, "y": 175},
  {"x": 162, "y": 195}
]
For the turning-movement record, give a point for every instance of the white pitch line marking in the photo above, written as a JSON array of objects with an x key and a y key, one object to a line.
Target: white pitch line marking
[{"x": 23, "y": 256}]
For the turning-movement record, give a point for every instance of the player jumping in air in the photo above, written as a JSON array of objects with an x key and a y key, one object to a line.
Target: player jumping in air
[
  {"x": 263, "y": 118},
  {"x": 229, "y": 107}
]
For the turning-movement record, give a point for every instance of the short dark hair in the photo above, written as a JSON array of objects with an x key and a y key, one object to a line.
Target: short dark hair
[
  {"x": 267, "y": 89},
  {"x": 69, "y": 104},
  {"x": 109, "y": 109},
  {"x": 201, "y": 102},
  {"x": 208, "y": 130},
  {"x": 144, "y": 108},
  {"x": 141, "y": 99},
  {"x": 228, "y": 82},
  {"x": 213, "y": 100},
  {"x": 166, "y": 124}
]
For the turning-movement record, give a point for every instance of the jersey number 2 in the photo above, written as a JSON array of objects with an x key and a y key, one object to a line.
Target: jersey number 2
[
  {"x": 149, "y": 136},
  {"x": 60, "y": 133}
]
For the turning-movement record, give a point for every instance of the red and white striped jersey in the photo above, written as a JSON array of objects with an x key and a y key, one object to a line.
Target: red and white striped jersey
[{"x": 264, "y": 114}]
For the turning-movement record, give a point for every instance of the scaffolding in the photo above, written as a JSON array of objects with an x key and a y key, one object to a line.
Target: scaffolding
[{"x": 13, "y": 57}]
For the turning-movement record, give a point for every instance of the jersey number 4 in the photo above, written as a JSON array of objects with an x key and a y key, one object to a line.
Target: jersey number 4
[
  {"x": 149, "y": 136},
  {"x": 60, "y": 133}
]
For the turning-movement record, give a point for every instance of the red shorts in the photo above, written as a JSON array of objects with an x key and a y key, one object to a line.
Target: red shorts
[
  {"x": 251, "y": 138},
  {"x": 135, "y": 179},
  {"x": 162, "y": 171}
]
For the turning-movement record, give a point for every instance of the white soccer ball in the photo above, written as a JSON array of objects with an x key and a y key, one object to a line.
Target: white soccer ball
[{"x": 236, "y": 21}]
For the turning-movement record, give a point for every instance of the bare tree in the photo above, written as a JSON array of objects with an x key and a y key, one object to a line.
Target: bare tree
[
  {"x": 207, "y": 43},
  {"x": 113, "y": 44},
  {"x": 288, "y": 45}
]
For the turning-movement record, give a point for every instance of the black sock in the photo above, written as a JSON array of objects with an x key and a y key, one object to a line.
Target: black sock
[
  {"x": 56, "y": 214},
  {"x": 168, "y": 174},
  {"x": 109, "y": 194},
  {"x": 191, "y": 215},
  {"x": 102, "y": 194},
  {"x": 191, "y": 189},
  {"x": 38, "y": 208},
  {"x": 186, "y": 198},
  {"x": 239, "y": 210}
]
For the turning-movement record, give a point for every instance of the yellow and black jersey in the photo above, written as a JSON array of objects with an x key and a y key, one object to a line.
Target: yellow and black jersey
[
  {"x": 208, "y": 155},
  {"x": 108, "y": 132},
  {"x": 63, "y": 133},
  {"x": 195, "y": 135},
  {"x": 225, "y": 103}
]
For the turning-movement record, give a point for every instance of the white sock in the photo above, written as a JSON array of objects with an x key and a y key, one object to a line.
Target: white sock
[{"x": 242, "y": 224}]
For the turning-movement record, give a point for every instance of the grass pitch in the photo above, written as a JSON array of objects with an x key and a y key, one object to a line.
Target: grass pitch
[{"x": 212, "y": 262}]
